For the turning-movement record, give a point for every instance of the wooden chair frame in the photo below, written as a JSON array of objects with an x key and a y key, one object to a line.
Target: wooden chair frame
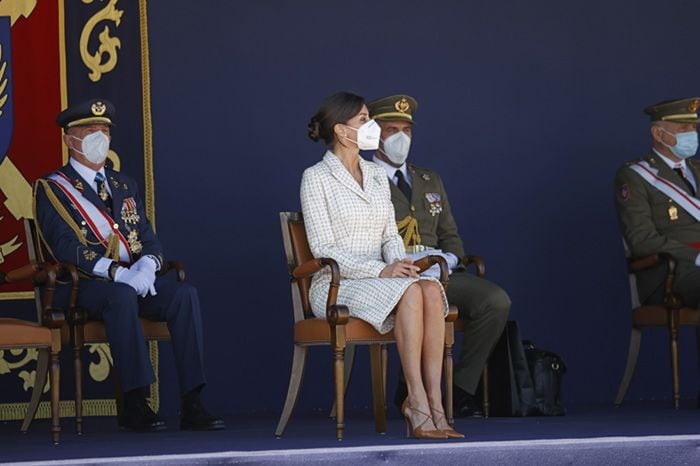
[
  {"x": 672, "y": 314},
  {"x": 338, "y": 329},
  {"x": 48, "y": 351}
]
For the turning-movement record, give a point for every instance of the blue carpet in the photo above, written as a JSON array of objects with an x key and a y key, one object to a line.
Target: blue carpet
[{"x": 521, "y": 440}]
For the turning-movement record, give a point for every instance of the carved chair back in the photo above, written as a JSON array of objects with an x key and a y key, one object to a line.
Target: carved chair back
[{"x": 297, "y": 251}]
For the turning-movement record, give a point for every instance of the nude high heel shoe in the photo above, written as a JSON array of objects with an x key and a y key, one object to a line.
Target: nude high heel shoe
[
  {"x": 450, "y": 432},
  {"x": 418, "y": 431}
]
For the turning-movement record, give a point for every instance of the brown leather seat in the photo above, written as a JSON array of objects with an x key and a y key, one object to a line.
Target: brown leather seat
[
  {"x": 672, "y": 315},
  {"x": 338, "y": 330},
  {"x": 44, "y": 336}
]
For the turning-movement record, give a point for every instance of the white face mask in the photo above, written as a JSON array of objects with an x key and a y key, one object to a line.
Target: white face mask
[
  {"x": 367, "y": 135},
  {"x": 95, "y": 146},
  {"x": 396, "y": 147}
]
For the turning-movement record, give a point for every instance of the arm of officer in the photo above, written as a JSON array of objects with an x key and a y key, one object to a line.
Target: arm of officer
[
  {"x": 62, "y": 238},
  {"x": 635, "y": 215},
  {"x": 319, "y": 230},
  {"x": 448, "y": 235}
]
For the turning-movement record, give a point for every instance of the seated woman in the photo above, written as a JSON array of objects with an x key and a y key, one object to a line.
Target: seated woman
[{"x": 349, "y": 217}]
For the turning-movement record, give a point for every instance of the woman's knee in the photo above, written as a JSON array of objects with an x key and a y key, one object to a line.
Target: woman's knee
[{"x": 412, "y": 297}]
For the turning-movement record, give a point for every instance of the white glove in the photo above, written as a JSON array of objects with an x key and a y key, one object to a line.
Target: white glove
[
  {"x": 147, "y": 265},
  {"x": 138, "y": 280}
]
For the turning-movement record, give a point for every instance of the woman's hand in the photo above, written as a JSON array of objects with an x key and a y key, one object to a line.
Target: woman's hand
[{"x": 400, "y": 268}]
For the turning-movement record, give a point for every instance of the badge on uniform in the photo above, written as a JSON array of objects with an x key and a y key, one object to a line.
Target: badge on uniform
[
  {"x": 77, "y": 184},
  {"x": 624, "y": 192},
  {"x": 672, "y": 213},
  {"x": 83, "y": 228},
  {"x": 134, "y": 244},
  {"x": 129, "y": 212},
  {"x": 435, "y": 201}
]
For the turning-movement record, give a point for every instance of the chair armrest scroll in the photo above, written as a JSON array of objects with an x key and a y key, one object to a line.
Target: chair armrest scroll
[
  {"x": 452, "y": 314},
  {"x": 478, "y": 263},
  {"x": 337, "y": 314},
  {"x": 173, "y": 265},
  {"x": 424, "y": 263}
]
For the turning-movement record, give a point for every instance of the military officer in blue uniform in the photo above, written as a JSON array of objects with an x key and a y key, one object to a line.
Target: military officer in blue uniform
[
  {"x": 425, "y": 220},
  {"x": 93, "y": 217}
]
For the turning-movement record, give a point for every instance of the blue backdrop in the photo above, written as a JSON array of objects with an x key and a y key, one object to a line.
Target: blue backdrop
[{"x": 525, "y": 108}]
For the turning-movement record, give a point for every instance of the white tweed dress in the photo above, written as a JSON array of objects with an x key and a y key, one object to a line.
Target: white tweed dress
[{"x": 355, "y": 226}]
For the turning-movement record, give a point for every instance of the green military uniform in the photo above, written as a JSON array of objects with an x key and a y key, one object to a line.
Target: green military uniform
[
  {"x": 652, "y": 222},
  {"x": 482, "y": 305}
]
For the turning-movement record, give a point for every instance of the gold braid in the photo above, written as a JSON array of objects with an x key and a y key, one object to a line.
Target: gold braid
[{"x": 408, "y": 229}]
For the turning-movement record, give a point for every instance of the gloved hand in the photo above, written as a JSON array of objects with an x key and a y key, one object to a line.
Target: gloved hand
[
  {"x": 136, "y": 279},
  {"x": 148, "y": 266}
]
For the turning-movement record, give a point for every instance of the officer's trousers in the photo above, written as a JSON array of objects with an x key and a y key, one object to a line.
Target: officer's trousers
[{"x": 120, "y": 308}]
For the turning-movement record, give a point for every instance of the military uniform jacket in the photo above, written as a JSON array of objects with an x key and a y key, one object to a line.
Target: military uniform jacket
[
  {"x": 62, "y": 237},
  {"x": 431, "y": 208},
  {"x": 651, "y": 222}
]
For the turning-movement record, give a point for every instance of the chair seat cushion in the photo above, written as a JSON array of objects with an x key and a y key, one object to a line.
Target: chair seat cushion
[
  {"x": 317, "y": 331},
  {"x": 15, "y": 333},
  {"x": 644, "y": 316},
  {"x": 152, "y": 330}
]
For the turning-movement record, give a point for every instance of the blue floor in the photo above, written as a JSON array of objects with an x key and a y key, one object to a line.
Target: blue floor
[{"x": 314, "y": 430}]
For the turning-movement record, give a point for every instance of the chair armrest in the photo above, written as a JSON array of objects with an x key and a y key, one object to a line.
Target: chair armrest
[
  {"x": 44, "y": 274},
  {"x": 478, "y": 263},
  {"x": 637, "y": 264},
  {"x": 452, "y": 313},
  {"x": 26, "y": 272},
  {"x": 309, "y": 268},
  {"x": 424, "y": 263},
  {"x": 173, "y": 265}
]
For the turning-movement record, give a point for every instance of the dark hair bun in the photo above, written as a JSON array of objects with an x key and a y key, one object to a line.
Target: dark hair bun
[{"x": 314, "y": 129}]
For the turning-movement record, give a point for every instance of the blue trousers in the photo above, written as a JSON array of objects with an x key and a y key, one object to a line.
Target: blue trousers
[{"x": 118, "y": 306}]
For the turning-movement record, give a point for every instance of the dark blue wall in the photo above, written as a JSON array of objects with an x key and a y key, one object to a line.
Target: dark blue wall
[{"x": 526, "y": 109}]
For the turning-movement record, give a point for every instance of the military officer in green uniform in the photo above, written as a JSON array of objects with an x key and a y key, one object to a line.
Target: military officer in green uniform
[
  {"x": 425, "y": 221},
  {"x": 657, "y": 202}
]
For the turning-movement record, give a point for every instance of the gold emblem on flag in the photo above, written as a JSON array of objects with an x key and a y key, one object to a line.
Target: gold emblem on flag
[{"x": 673, "y": 213}]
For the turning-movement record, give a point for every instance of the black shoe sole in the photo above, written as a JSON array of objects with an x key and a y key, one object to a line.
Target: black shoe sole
[
  {"x": 153, "y": 428},
  {"x": 213, "y": 426}
]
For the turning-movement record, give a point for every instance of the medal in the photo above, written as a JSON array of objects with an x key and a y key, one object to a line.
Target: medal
[
  {"x": 673, "y": 213},
  {"x": 130, "y": 214},
  {"x": 134, "y": 244},
  {"x": 104, "y": 195}
]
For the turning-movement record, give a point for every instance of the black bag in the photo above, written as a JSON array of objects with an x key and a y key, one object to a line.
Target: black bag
[
  {"x": 546, "y": 370},
  {"x": 523, "y": 380}
]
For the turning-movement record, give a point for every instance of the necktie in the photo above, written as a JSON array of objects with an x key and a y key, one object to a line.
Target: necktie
[
  {"x": 403, "y": 185},
  {"x": 102, "y": 191},
  {"x": 687, "y": 182}
]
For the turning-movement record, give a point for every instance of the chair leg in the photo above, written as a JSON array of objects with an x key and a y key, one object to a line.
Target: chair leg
[
  {"x": 385, "y": 365},
  {"x": 338, "y": 375},
  {"x": 295, "y": 380},
  {"x": 485, "y": 390},
  {"x": 673, "y": 328},
  {"x": 42, "y": 369},
  {"x": 448, "y": 372},
  {"x": 632, "y": 355},
  {"x": 54, "y": 380},
  {"x": 378, "y": 394},
  {"x": 349, "y": 363}
]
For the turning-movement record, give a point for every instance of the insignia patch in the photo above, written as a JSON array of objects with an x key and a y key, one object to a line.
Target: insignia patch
[
  {"x": 402, "y": 105},
  {"x": 130, "y": 214},
  {"x": 89, "y": 255},
  {"x": 98, "y": 108},
  {"x": 77, "y": 184},
  {"x": 115, "y": 183},
  {"x": 693, "y": 107},
  {"x": 425, "y": 176},
  {"x": 433, "y": 197},
  {"x": 672, "y": 213},
  {"x": 624, "y": 192}
]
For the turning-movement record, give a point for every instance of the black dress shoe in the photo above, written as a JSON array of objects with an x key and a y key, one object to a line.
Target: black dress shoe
[
  {"x": 139, "y": 417},
  {"x": 465, "y": 404},
  {"x": 195, "y": 417}
]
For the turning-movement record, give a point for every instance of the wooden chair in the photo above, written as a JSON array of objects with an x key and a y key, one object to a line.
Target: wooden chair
[
  {"x": 83, "y": 331},
  {"x": 337, "y": 329},
  {"x": 672, "y": 314},
  {"x": 44, "y": 336}
]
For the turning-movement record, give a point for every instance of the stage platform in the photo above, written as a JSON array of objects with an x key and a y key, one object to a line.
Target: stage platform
[{"x": 633, "y": 434}]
